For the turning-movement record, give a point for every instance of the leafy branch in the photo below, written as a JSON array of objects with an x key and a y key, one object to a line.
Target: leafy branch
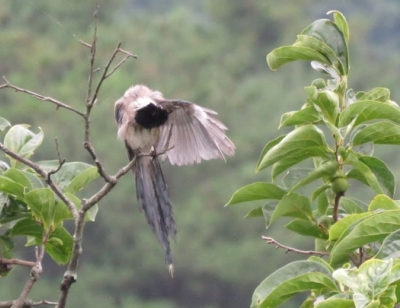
[
  {"x": 335, "y": 130},
  {"x": 45, "y": 206}
]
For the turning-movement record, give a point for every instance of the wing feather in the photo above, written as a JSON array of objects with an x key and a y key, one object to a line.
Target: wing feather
[{"x": 195, "y": 134}]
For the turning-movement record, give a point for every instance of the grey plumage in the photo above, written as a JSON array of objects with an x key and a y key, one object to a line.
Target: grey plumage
[{"x": 147, "y": 123}]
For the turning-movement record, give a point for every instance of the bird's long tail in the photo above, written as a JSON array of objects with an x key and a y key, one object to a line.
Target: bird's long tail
[{"x": 152, "y": 195}]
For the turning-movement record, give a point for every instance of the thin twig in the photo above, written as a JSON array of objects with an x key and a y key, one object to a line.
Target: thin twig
[
  {"x": 270, "y": 240},
  {"x": 17, "y": 262},
  {"x": 28, "y": 303},
  {"x": 40, "y": 97},
  {"x": 336, "y": 206}
]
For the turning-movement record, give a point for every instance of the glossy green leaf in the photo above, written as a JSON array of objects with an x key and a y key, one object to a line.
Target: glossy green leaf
[
  {"x": 18, "y": 177},
  {"x": 382, "y": 132},
  {"x": 306, "y": 115},
  {"x": 22, "y": 141},
  {"x": 42, "y": 203},
  {"x": 327, "y": 169},
  {"x": 268, "y": 146},
  {"x": 318, "y": 45},
  {"x": 329, "y": 33},
  {"x": 335, "y": 303},
  {"x": 327, "y": 101},
  {"x": 370, "y": 279},
  {"x": 383, "y": 174},
  {"x": 382, "y": 202},
  {"x": 286, "y": 54},
  {"x": 257, "y": 191},
  {"x": 295, "y": 277},
  {"x": 293, "y": 205},
  {"x": 4, "y": 124},
  {"x": 27, "y": 226},
  {"x": 257, "y": 212},
  {"x": 341, "y": 226},
  {"x": 341, "y": 23},
  {"x": 6, "y": 246},
  {"x": 368, "y": 110},
  {"x": 11, "y": 187},
  {"x": 73, "y": 176},
  {"x": 306, "y": 227},
  {"x": 317, "y": 192},
  {"x": 59, "y": 246},
  {"x": 286, "y": 163},
  {"x": 372, "y": 229},
  {"x": 390, "y": 247},
  {"x": 82, "y": 179},
  {"x": 351, "y": 206},
  {"x": 308, "y": 138},
  {"x": 34, "y": 180},
  {"x": 376, "y": 94},
  {"x": 365, "y": 171}
]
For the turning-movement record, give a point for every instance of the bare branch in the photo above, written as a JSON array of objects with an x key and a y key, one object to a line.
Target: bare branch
[
  {"x": 41, "y": 97},
  {"x": 17, "y": 262},
  {"x": 28, "y": 303},
  {"x": 270, "y": 240}
]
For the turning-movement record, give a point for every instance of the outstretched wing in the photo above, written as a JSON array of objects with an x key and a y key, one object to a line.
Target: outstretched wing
[{"x": 195, "y": 134}]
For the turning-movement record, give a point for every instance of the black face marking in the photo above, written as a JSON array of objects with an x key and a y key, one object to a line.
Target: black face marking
[{"x": 151, "y": 116}]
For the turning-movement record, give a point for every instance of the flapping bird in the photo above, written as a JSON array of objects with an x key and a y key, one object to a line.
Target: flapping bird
[{"x": 185, "y": 133}]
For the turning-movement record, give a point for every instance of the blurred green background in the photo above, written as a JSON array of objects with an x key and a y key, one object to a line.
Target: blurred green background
[{"x": 209, "y": 52}]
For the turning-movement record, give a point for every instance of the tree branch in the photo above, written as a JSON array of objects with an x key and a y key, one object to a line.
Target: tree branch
[
  {"x": 270, "y": 240},
  {"x": 40, "y": 97},
  {"x": 45, "y": 176},
  {"x": 17, "y": 262},
  {"x": 28, "y": 303}
]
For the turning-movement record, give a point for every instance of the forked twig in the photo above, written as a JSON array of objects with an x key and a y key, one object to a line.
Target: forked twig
[{"x": 270, "y": 240}]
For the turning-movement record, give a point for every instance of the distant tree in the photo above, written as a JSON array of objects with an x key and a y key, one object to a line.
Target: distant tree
[{"x": 330, "y": 148}]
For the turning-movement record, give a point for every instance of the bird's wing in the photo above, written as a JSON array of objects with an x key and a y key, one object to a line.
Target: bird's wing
[{"x": 193, "y": 132}]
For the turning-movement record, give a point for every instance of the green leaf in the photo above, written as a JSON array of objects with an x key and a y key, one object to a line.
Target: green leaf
[
  {"x": 326, "y": 100},
  {"x": 382, "y": 202},
  {"x": 82, "y": 179},
  {"x": 370, "y": 279},
  {"x": 306, "y": 138},
  {"x": 382, "y": 132},
  {"x": 327, "y": 169},
  {"x": 319, "y": 191},
  {"x": 28, "y": 227},
  {"x": 35, "y": 182},
  {"x": 18, "y": 176},
  {"x": 4, "y": 124},
  {"x": 342, "y": 225},
  {"x": 90, "y": 214},
  {"x": 268, "y": 146},
  {"x": 341, "y": 23},
  {"x": 293, "y": 205},
  {"x": 22, "y": 141},
  {"x": 335, "y": 303},
  {"x": 306, "y": 115},
  {"x": 257, "y": 191},
  {"x": 351, "y": 206},
  {"x": 365, "y": 171},
  {"x": 390, "y": 247},
  {"x": 74, "y": 176},
  {"x": 6, "y": 246},
  {"x": 376, "y": 94},
  {"x": 329, "y": 33},
  {"x": 59, "y": 246},
  {"x": 383, "y": 174},
  {"x": 42, "y": 203},
  {"x": 318, "y": 45},
  {"x": 11, "y": 187},
  {"x": 372, "y": 229},
  {"x": 295, "y": 277},
  {"x": 286, "y": 54},
  {"x": 368, "y": 110},
  {"x": 257, "y": 212},
  {"x": 306, "y": 227}
]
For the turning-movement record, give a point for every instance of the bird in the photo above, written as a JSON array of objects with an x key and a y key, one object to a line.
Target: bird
[{"x": 153, "y": 127}]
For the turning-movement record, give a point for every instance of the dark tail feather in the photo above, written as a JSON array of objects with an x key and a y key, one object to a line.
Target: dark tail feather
[{"x": 151, "y": 191}]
